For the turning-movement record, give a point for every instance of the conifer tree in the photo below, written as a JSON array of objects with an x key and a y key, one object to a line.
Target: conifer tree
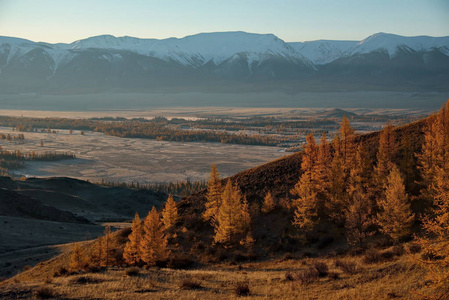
[
  {"x": 346, "y": 147},
  {"x": 232, "y": 215},
  {"x": 434, "y": 150},
  {"x": 78, "y": 259},
  {"x": 170, "y": 214},
  {"x": 268, "y": 204},
  {"x": 437, "y": 229},
  {"x": 358, "y": 218},
  {"x": 98, "y": 257},
  {"x": 245, "y": 216},
  {"x": 395, "y": 216},
  {"x": 434, "y": 165},
  {"x": 310, "y": 155},
  {"x": 408, "y": 164},
  {"x": 107, "y": 245},
  {"x": 153, "y": 245},
  {"x": 359, "y": 176},
  {"x": 131, "y": 253},
  {"x": 306, "y": 204},
  {"x": 385, "y": 155},
  {"x": 323, "y": 163},
  {"x": 213, "y": 196},
  {"x": 337, "y": 197}
]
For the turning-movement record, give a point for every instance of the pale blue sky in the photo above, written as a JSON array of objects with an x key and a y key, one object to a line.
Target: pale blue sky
[{"x": 291, "y": 20}]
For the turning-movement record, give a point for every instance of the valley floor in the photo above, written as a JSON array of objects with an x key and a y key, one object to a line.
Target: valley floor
[{"x": 116, "y": 159}]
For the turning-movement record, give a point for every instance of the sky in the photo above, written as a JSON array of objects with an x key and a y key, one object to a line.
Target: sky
[{"x": 291, "y": 20}]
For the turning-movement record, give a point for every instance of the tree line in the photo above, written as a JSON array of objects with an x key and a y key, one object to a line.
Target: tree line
[
  {"x": 12, "y": 160},
  {"x": 179, "y": 188}
]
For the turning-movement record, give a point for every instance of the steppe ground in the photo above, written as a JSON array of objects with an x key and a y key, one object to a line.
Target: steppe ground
[{"x": 272, "y": 279}]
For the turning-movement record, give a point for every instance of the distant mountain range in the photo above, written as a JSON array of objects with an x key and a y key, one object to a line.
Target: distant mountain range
[{"x": 209, "y": 59}]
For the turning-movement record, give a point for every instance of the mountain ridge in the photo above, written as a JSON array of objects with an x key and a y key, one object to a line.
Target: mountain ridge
[{"x": 105, "y": 61}]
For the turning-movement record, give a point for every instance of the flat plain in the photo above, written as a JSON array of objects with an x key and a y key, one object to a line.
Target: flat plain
[{"x": 116, "y": 159}]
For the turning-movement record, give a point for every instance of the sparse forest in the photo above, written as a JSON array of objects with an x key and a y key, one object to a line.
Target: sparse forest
[{"x": 360, "y": 201}]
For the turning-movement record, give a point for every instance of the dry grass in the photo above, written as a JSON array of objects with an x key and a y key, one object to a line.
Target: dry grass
[{"x": 270, "y": 279}]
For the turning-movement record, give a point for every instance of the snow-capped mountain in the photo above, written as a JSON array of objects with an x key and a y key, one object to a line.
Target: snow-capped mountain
[
  {"x": 107, "y": 61},
  {"x": 391, "y": 44},
  {"x": 323, "y": 51},
  {"x": 195, "y": 50}
]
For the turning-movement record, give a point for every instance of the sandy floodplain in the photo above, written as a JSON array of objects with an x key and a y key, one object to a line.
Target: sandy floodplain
[{"x": 100, "y": 156}]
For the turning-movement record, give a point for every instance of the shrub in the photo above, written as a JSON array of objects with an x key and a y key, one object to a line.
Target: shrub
[
  {"x": 347, "y": 267},
  {"x": 333, "y": 275},
  {"x": 286, "y": 256},
  {"x": 308, "y": 275},
  {"x": 61, "y": 271},
  {"x": 289, "y": 276},
  {"x": 242, "y": 288},
  {"x": 133, "y": 271},
  {"x": 321, "y": 268},
  {"x": 85, "y": 280},
  {"x": 414, "y": 248},
  {"x": 199, "y": 246},
  {"x": 44, "y": 292},
  {"x": 239, "y": 257},
  {"x": 48, "y": 280},
  {"x": 372, "y": 256},
  {"x": 398, "y": 250},
  {"x": 180, "y": 262},
  {"x": 189, "y": 284},
  {"x": 387, "y": 255},
  {"x": 325, "y": 242},
  {"x": 161, "y": 263},
  {"x": 26, "y": 268},
  {"x": 93, "y": 269}
]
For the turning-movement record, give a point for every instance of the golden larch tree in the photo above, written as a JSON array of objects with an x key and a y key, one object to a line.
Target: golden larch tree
[
  {"x": 230, "y": 217},
  {"x": 170, "y": 214},
  {"x": 245, "y": 216},
  {"x": 213, "y": 196},
  {"x": 436, "y": 225},
  {"x": 107, "y": 245},
  {"x": 131, "y": 252},
  {"x": 153, "y": 245},
  {"x": 306, "y": 205},
  {"x": 98, "y": 257},
  {"x": 435, "y": 149},
  {"x": 337, "y": 196},
  {"x": 437, "y": 229},
  {"x": 268, "y": 203},
  {"x": 395, "y": 216},
  {"x": 358, "y": 217},
  {"x": 385, "y": 155},
  {"x": 359, "y": 175},
  {"x": 306, "y": 215},
  {"x": 78, "y": 259},
  {"x": 310, "y": 155},
  {"x": 323, "y": 163},
  {"x": 346, "y": 146},
  {"x": 408, "y": 163}
]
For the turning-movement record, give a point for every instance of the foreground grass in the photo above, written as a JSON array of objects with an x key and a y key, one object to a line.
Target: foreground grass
[{"x": 281, "y": 279}]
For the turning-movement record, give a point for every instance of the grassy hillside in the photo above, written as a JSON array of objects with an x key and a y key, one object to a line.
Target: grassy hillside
[{"x": 278, "y": 263}]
